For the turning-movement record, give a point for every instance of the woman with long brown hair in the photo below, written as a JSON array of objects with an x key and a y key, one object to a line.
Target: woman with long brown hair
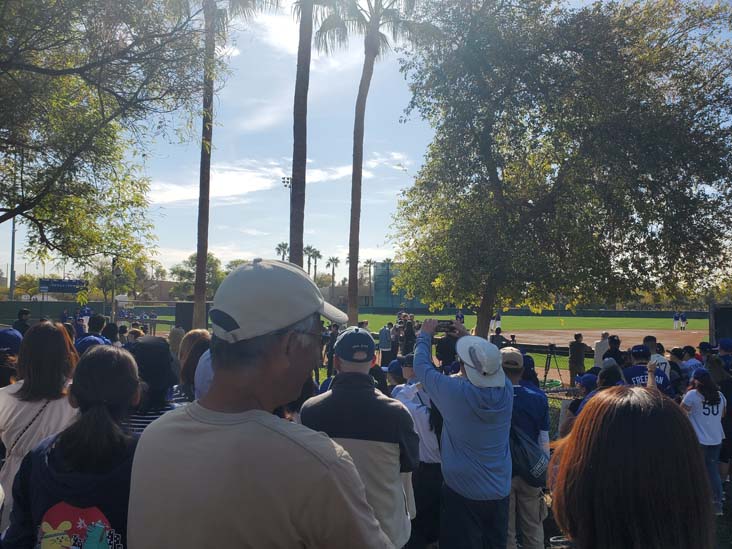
[
  {"x": 36, "y": 407},
  {"x": 723, "y": 379},
  {"x": 630, "y": 475},
  {"x": 706, "y": 407},
  {"x": 194, "y": 344}
]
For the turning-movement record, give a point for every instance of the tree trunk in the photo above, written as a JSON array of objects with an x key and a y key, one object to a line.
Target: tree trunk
[
  {"x": 485, "y": 311},
  {"x": 315, "y": 270},
  {"x": 300, "y": 134},
  {"x": 371, "y": 51},
  {"x": 332, "y": 284},
  {"x": 199, "y": 291}
]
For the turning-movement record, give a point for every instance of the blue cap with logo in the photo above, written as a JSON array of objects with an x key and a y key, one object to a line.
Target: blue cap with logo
[
  {"x": 640, "y": 351},
  {"x": 395, "y": 367},
  {"x": 700, "y": 373},
  {"x": 355, "y": 345},
  {"x": 10, "y": 340}
]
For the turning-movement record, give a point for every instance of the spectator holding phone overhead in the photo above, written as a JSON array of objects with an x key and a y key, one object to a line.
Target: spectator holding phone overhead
[{"x": 476, "y": 461}]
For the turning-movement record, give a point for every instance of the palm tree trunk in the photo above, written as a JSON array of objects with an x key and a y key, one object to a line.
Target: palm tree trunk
[
  {"x": 315, "y": 270},
  {"x": 300, "y": 133},
  {"x": 199, "y": 292},
  {"x": 332, "y": 284},
  {"x": 371, "y": 51}
]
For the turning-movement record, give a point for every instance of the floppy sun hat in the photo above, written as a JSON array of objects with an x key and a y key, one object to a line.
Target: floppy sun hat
[{"x": 482, "y": 361}]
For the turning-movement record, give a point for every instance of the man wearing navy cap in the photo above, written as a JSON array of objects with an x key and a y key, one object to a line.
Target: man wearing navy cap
[
  {"x": 377, "y": 431},
  {"x": 22, "y": 324},
  {"x": 637, "y": 374}
]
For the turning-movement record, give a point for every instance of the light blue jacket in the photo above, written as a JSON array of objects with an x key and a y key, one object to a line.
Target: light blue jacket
[{"x": 476, "y": 460}]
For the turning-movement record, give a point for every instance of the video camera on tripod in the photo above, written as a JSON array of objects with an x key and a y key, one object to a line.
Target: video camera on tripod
[{"x": 551, "y": 353}]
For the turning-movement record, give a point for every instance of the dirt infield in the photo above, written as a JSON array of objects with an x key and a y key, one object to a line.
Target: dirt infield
[{"x": 669, "y": 338}]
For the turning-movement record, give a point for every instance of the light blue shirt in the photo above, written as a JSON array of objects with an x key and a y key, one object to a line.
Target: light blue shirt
[
  {"x": 204, "y": 376},
  {"x": 476, "y": 459}
]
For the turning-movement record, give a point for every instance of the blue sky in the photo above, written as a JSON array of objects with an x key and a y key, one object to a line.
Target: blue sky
[{"x": 253, "y": 150}]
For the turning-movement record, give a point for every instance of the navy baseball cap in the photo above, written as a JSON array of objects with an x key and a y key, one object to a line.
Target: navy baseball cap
[
  {"x": 529, "y": 362},
  {"x": 640, "y": 351},
  {"x": 10, "y": 341},
  {"x": 700, "y": 373},
  {"x": 395, "y": 368},
  {"x": 407, "y": 360},
  {"x": 88, "y": 341},
  {"x": 725, "y": 344},
  {"x": 355, "y": 345},
  {"x": 588, "y": 381},
  {"x": 705, "y": 347}
]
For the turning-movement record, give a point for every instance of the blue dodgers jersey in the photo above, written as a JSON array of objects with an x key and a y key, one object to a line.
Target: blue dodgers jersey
[
  {"x": 638, "y": 375},
  {"x": 727, "y": 362},
  {"x": 530, "y": 410}
]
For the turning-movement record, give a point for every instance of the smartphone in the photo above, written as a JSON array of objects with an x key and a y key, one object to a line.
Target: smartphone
[{"x": 445, "y": 326}]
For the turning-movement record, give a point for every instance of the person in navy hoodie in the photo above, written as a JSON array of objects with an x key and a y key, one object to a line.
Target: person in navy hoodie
[
  {"x": 73, "y": 489},
  {"x": 637, "y": 374}
]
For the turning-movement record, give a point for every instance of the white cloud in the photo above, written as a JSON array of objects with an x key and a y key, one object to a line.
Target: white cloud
[
  {"x": 253, "y": 232},
  {"x": 231, "y": 182},
  {"x": 395, "y": 160},
  {"x": 280, "y": 31},
  {"x": 265, "y": 114},
  {"x": 378, "y": 253},
  {"x": 225, "y": 252}
]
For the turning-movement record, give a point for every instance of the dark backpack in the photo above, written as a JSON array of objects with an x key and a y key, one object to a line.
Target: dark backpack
[{"x": 528, "y": 458}]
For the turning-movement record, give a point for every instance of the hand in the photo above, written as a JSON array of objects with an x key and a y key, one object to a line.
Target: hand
[
  {"x": 429, "y": 326},
  {"x": 652, "y": 365}
]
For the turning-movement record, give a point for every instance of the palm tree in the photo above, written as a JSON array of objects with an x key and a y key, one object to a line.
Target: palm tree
[
  {"x": 332, "y": 264},
  {"x": 215, "y": 21},
  {"x": 282, "y": 250},
  {"x": 315, "y": 255},
  {"x": 306, "y": 10},
  {"x": 308, "y": 252},
  {"x": 388, "y": 264},
  {"x": 369, "y": 263},
  {"x": 369, "y": 19}
]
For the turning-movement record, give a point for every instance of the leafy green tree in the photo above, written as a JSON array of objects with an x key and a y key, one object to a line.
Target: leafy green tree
[
  {"x": 26, "y": 284},
  {"x": 578, "y": 152},
  {"x": 234, "y": 264},
  {"x": 79, "y": 81},
  {"x": 377, "y": 21},
  {"x": 184, "y": 275}
]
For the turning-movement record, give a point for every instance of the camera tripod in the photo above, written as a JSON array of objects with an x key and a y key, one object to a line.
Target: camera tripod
[{"x": 551, "y": 353}]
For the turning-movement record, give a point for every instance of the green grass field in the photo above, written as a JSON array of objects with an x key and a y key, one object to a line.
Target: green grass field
[{"x": 579, "y": 323}]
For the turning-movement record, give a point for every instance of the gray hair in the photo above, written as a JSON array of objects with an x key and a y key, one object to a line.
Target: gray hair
[{"x": 246, "y": 352}]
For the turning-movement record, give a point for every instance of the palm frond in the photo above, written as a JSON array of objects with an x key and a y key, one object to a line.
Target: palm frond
[
  {"x": 246, "y": 9},
  {"x": 384, "y": 45},
  {"x": 332, "y": 34}
]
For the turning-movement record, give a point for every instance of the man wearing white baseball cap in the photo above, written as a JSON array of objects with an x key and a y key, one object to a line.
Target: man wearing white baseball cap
[
  {"x": 476, "y": 461},
  {"x": 224, "y": 471}
]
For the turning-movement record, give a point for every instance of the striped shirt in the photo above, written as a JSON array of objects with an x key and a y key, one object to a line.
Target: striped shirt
[{"x": 138, "y": 420}]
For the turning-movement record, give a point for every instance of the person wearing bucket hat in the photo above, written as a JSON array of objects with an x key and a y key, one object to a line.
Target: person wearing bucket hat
[
  {"x": 229, "y": 448},
  {"x": 377, "y": 431},
  {"x": 22, "y": 323},
  {"x": 476, "y": 461}
]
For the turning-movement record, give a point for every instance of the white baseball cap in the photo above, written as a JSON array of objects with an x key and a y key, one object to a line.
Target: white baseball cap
[
  {"x": 264, "y": 296},
  {"x": 482, "y": 361}
]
